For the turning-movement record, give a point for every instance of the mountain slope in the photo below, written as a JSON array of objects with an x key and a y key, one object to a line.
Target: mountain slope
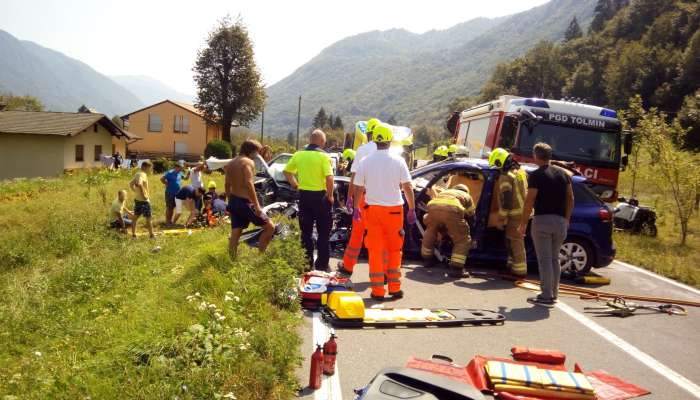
[
  {"x": 60, "y": 82},
  {"x": 411, "y": 76},
  {"x": 150, "y": 90}
]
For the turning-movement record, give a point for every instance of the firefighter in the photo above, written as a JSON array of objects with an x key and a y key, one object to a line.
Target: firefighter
[
  {"x": 451, "y": 150},
  {"x": 449, "y": 210},
  {"x": 348, "y": 156},
  {"x": 440, "y": 153},
  {"x": 354, "y": 246},
  {"x": 382, "y": 176},
  {"x": 511, "y": 189}
]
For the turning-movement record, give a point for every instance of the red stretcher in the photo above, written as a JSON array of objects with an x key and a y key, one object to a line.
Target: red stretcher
[{"x": 606, "y": 386}]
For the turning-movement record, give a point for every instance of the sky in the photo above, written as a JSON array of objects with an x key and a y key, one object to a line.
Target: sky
[{"x": 160, "y": 38}]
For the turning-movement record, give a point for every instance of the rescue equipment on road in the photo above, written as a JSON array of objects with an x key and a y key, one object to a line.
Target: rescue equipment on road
[
  {"x": 330, "y": 351},
  {"x": 619, "y": 307},
  {"x": 346, "y": 309},
  {"x": 316, "y": 368}
]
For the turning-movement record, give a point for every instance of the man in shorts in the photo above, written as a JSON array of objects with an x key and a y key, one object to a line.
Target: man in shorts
[
  {"x": 188, "y": 196},
  {"x": 142, "y": 203},
  {"x": 172, "y": 180},
  {"x": 243, "y": 202}
]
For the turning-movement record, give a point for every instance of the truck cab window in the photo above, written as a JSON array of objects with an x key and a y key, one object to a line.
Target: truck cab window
[{"x": 508, "y": 131}]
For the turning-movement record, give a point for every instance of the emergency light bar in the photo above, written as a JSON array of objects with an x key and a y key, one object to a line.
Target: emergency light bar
[{"x": 606, "y": 112}]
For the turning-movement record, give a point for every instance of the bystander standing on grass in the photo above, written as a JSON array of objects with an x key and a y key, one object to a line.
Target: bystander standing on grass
[
  {"x": 172, "y": 180},
  {"x": 142, "y": 203}
]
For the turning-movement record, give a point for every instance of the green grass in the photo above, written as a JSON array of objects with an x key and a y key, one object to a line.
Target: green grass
[
  {"x": 662, "y": 254},
  {"x": 89, "y": 313}
]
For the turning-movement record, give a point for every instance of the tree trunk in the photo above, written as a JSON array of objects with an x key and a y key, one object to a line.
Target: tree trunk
[
  {"x": 226, "y": 121},
  {"x": 684, "y": 231}
]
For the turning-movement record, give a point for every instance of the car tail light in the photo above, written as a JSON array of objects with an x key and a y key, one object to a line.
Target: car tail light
[{"x": 605, "y": 214}]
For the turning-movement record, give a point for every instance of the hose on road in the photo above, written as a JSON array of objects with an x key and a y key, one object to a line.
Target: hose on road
[{"x": 590, "y": 294}]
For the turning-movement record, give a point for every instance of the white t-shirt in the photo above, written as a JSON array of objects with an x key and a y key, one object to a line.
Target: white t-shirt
[
  {"x": 362, "y": 152},
  {"x": 381, "y": 174},
  {"x": 196, "y": 178}
]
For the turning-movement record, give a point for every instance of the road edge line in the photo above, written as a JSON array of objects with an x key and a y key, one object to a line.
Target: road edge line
[
  {"x": 656, "y": 366},
  {"x": 330, "y": 385},
  {"x": 659, "y": 277}
]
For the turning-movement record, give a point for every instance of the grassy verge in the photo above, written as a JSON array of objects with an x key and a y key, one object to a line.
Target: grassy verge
[
  {"x": 89, "y": 313},
  {"x": 663, "y": 254}
]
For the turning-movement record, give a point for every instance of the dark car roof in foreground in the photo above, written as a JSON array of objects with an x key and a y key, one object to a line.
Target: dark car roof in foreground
[{"x": 475, "y": 163}]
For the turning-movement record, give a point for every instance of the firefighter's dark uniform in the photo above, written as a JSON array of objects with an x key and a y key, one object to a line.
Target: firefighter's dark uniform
[
  {"x": 511, "y": 189},
  {"x": 449, "y": 211}
]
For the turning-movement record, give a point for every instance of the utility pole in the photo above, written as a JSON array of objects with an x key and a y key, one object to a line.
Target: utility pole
[
  {"x": 298, "y": 121},
  {"x": 262, "y": 126}
]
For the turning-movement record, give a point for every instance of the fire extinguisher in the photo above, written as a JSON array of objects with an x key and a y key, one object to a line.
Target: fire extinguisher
[
  {"x": 316, "y": 368},
  {"x": 330, "y": 350}
]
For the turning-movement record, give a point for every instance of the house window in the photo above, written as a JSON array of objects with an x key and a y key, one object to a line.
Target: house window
[
  {"x": 181, "y": 124},
  {"x": 98, "y": 152},
  {"x": 94, "y": 128},
  {"x": 154, "y": 123},
  {"x": 180, "y": 148},
  {"x": 79, "y": 153}
]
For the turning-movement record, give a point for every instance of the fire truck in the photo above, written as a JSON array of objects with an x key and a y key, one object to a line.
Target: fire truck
[{"x": 585, "y": 137}]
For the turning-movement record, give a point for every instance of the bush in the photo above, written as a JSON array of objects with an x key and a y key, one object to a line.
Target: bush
[
  {"x": 161, "y": 165},
  {"x": 219, "y": 149}
]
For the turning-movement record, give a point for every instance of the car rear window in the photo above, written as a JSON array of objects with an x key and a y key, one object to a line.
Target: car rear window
[{"x": 584, "y": 195}]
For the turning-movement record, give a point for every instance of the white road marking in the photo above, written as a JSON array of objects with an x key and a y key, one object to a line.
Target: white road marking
[
  {"x": 673, "y": 376},
  {"x": 659, "y": 277},
  {"x": 330, "y": 385}
]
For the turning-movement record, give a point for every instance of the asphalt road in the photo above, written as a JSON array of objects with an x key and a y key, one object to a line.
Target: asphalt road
[{"x": 636, "y": 348}]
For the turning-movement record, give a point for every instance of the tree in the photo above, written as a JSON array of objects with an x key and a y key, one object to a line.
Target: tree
[
  {"x": 291, "y": 139},
  {"x": 20, "y": 103},
  {"x": 674, "y": 170},
  {"x": 338, "y": 124},
  {"x": 573, "y": 31},
  {"x": 604, "y": 11},
  {"x": 320, "y": 120},
  {"x": 689, "y": 117},
  {"x": 331, "y": 122},
  {"x": 229, "y": 85}
]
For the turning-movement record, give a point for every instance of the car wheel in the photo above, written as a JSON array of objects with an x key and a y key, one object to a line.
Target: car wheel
[{"x": 575, "y": 257}]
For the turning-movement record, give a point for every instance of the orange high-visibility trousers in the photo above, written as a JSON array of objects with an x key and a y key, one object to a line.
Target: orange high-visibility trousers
[
  {"x": 354, "y": 246},
  {"x": 385, "y": 236}
]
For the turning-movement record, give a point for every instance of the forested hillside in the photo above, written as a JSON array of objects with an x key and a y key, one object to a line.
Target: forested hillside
[
  {"x": 413, "y": 77},
  {"x": 645, "y": 47}
]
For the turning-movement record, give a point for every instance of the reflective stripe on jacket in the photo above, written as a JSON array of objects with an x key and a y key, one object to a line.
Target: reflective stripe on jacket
[{"x": 511, "y": 189}]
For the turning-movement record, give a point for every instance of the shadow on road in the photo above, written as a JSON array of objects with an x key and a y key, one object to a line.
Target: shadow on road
[
  {"x": 486, "y": 284},
  {"x": 432, "y": 275},
  {"x": 524, "y": 314}
]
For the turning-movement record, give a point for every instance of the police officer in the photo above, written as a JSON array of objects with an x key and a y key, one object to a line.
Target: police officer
[
  {"x": 449, "y": 210},
  {"x": 314, "y": 180},
  {"x": 510, "y": 190}
]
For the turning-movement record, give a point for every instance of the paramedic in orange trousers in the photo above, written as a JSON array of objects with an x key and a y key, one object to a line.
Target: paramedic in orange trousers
[
  {"x": 382, "y": 176},
  {"x": 354, "y": 246}
]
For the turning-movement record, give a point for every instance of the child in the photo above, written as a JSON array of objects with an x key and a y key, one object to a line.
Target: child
[
  {"x": 118, "y": 213},
  {"x": 142, "y": 203}
]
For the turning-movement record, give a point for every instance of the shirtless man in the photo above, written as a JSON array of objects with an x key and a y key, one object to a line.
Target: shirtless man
[{"x": 243, "y": 203}]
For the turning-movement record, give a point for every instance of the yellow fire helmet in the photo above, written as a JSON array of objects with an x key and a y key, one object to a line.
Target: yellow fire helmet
[
  {"x": 349, "y": 154},
  {"x": 371, "y": 124},
  {"x": 498, "y": 157},
  {"x": 382, "y": 133},
  {"x": 441, "y": 151},
  {"x": 211, "y": 185},
  {"x": 452, "y": 149}
]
